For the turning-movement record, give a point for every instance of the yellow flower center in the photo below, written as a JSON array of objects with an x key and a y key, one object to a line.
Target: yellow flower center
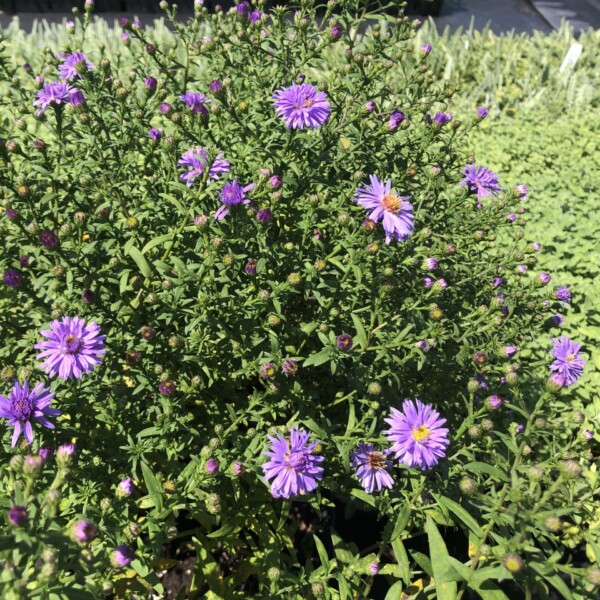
[
  {"x": 570, "y": 358},
  {"x": 421, "y": 433},
  {"x": 375, "y": 460},
  {"x": 391, "y": 203}
]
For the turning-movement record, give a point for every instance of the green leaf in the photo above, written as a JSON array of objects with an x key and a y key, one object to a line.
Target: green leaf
[
  {"x": 157, "y": 241},
  {"x": 318, "y": 359},
  {"x": 140, "y": 261},
  {"x": 443, "y": 572},
  {"x": 461, "y": 514},
  {"x": 153, "y": 486},
  {"x": 402, "y": 558},
  {"x": 361, "y": 334},
  {"x": 479, "y": 467},
  {"x": 395, "y": 591},
  {"x": 322, "y": 552}
]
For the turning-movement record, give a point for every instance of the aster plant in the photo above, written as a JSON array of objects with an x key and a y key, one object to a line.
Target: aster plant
[{"x": 254, "y": 265}]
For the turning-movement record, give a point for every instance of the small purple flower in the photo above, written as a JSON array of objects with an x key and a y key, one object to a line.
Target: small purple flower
[
  {"x": 72, "y": 348},
  {"x": 237, "y": 468},
  {"x": 544, "y": 278},
  {"x": 511, "y": 217},
  {"x": 587, "y": 434},
  {"x": 494, "y": 402},
  {"x": 255, "y": 16},
  {"x": 11, "y": 214},
  {"x": 394, "y": 211},
  {"x": 196, "y": 102},
  {"x": 440, "y": 284},
  {"x": 84, "y": 531},
  {"x": 264, "y": 215},
  {"x": 24, "y": 261},
  {"x": 212, "y": 466},
  {"x": 372, "y": 467},
  {"x": 45, "y": 452},
  {"x": 122, "y": 556},
  {"x": 344, "y": 342},
  {"x": 200, "y": 220},
  {"x": 243, "y": 8},
  {"x": 150, "y": 83},
  {"x": 423, "y": 345},
  {"x": 65, "y": 454},
  {"x": 290, "y": 367},
  {"x": 49, "y": 239},
  {"x": 536, "y": 246},
  {"x": 215, "y": 87},
  {"x": 77, "y": 98},
  {"x": 336, "y": 31},
  {"x": 568, "y": 366},
  {"x": 370, "y": 106},
  {"x": 480, "y": 358},
  {"x": 441, "y": 118},
  {"x": 148, "y": 333},
  {"x": 430, "y": 264},
  {"x": 522, "y": 269},
  {"x": 275, "y": 182},
  {"x": 197, "y": 160},
  {"x": 292, "y": 465},
  {"x": 232, "y": 195},
  {"x": 481, "y": 180},
  {"x": 165, "y": 108},
  {"x": 12, "y": 278},
  {"x": 55, "y": 93},
  {"x": 425, "y": 49},
  {"x": 301, "y": 105},
  {"x": 428, "y": 282},
  {"x": 126, "y": 487},
  {"x": 133, "y": 357},
  {"x": 123, "y": 22},
  {"x": 155, "y": 134},
  {"x": 396, "y": 118},
  {"x": 88, "y": 296},
  {"x": 73, "y": 65},
  {"x": 250, "y": 267},
  {"x": 167, "y": 387},
  {"x": 520, "y": 190},
  {"x": 497, "y": 281},
  {"x": 520, "y": 428},
  {"x": 268, "y": 370},
  {"x": 557, "y": 320},
  {"x": 509, "y": 351},
  {"x": 374, "y": 568},
  {"x": 23, "y": 405},
  {"x": 563, "y": 293},
  {"x": 417, "y": 434},
  {"x": 17, "y": 515},
  {"x": 482, "y": 112}
]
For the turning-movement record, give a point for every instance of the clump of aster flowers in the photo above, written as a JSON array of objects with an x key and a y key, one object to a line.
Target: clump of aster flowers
[{"x": 72, "y": 348}]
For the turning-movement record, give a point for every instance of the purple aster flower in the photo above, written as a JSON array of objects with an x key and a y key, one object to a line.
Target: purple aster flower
[
  {"x": 125, "y": 38},
  {"x": 480, "y": 358},
  {"x": 255, "y": 16},
  {"x": 72, "y": 348},
  {"x": 336, "y": 31},
  {"x": 520, "y": 428},
  {"x": 441, "y": 118},
  {"x": 197, "y": 160},
  {"x": 290, "y": 367},
  {"x": 423, "y": 345},
  {"x": 430, "y": 264},
  {"x": 395, "y": 211},
  {"x": 481, "y": 180},
  {"x": 237, "y": 468},
  {"x": 509, "y": 351},
  {"x": 372, "y": 467},
  {"x": 150, "y": 83},
  {"x": 521, "y": 190},
  {"x": 275, "y": 182},
  {"x": 544, "y": 278},
  {"x": 301, "y": 105},
  {"x": 568, "y": 366},
  {"x": 12, "y": 278},
  {"x": 77, "y": 98},
  {"x": 494, "y": 402},
  {"x": 23, "y": 405},
  {"x": 563, "y": 293},
  {"x": 425, "y": 49},
  {"x": 522, "y": 268},
  {"x": 155, "y": 134},
  {"x": 49, "y": 239},
  {"x": 374, "y": 568},
  {"x": 536, "y": 246},
  {"x": 344, "y": 342},
  {"x": 212, "y": 466},
  {"x": 45, "y": 452},
  {"x": 440, "y": 284},
  {"x": 370, "y": 106},
  {"x": 264, "y": 215},
  {"x": 497, "y": 282},
  {"x": 587, "y": 434},
  {"x": 17, "y": 515},
  {"x": 84, "y": 531},
  {"x": 55, "y": 93},
  {"x": 11, "y": 214},
  {"x": 557, "y": 320},
  {"x": 292, "y": 466},
  {"x": 243, "y": 8},
  {"x": 232, "y": 194},
  {"x": 73, "y": 65},
  {"x": 419, "y": 440},
  {"x": 133, "y": 357},
  {"x": 65, "y": 454},
  {"x": 165, "y": 108},
  {"x": 148, "y": 333},
  {"x": 268, "y": 370},
  {"x": 122, "y": 556},
  {"x": 126, "y": 487},
  {"x": 215, "y": 87},
  {"x": 196, "y": 102},
  {"x": 482, "y": 112},
  {"x": 395, "y": 119},
  {"x": 428, "y": 282},
  {"x": 167, "y": 387},
  {"x": 511, "y": 217}
]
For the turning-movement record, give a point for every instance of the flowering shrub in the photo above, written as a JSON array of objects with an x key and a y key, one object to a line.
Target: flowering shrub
[{"x": 260, "y": 301}]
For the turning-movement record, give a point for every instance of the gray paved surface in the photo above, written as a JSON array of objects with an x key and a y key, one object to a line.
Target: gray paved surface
[{"x": 502, "y": 15}]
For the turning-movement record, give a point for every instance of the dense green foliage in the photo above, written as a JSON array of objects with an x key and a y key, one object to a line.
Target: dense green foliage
[{"x": 507, "y": 510}]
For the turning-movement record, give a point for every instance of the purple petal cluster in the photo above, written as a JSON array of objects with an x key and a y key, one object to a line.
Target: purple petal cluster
[
  {"x": 372, "y": 467},
  {"x": 55, "y": 93},
  {"x": 23, "y": 405},
  {"x": 70, "y": 68},
  {"x": 232, "y": 194},
  {"x": 197, "y": 160},
  {"x": 481, "y": 180},
  {"x": 417, "y": 434},
  {"x": 72, "y": 348},
  {"x": 196, "y": 102},
  {"x": 568, "y": 366},
  {"x": 292, "y": 466},
  {"x": 394, "y": 211},
  {"x": 301, "y": 105}
]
